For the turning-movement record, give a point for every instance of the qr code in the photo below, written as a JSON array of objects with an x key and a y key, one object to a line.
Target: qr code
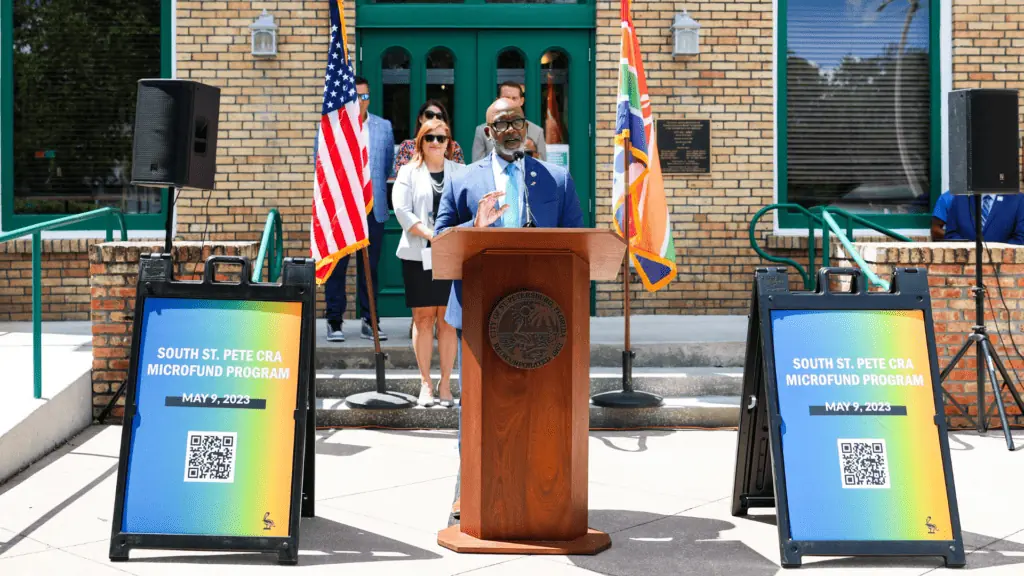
[
  {"x": 863, "y": 463},
  {"x": 210, "y": 456}
]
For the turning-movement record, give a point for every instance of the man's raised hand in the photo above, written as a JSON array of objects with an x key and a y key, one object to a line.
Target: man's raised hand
[{"x": 487, "y": 212}]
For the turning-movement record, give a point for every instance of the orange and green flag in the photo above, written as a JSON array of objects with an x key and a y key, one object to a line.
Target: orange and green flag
[{"x": 638, "y": 187}]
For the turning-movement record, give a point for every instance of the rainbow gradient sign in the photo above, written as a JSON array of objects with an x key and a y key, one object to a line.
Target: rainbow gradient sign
[
  {"x": 213, "y": 435},
  {"x": 860, "y": 444}
]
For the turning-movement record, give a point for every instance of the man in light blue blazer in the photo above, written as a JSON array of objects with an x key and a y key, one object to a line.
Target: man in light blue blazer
[
  {"x": 381, "y": 155},
  {"x": 499, "y": 190}
]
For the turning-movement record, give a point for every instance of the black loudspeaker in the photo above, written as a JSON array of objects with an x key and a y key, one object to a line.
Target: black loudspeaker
[
  {"x": 175, "y": 140},
  {"x": 983, "y": 142}
]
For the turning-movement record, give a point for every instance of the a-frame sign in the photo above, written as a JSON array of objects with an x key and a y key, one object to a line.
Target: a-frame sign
[{"x": 841, "y": 420}]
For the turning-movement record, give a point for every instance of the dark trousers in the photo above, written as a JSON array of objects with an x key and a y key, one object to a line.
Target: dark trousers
[{"x": 334, "y": 291}]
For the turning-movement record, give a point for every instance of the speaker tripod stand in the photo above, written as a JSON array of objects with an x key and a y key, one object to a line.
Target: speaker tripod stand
[{"x": 987, "y": 358}]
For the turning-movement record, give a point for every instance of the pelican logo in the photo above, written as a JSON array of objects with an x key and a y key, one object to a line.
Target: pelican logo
[
  {"x": 527, "y": 329},
  {"x": 932, "y": 528},
  {"x": 267, "y": 522}
]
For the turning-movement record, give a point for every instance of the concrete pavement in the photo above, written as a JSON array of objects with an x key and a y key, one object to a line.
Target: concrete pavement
[{"x": 383, "y": 495}]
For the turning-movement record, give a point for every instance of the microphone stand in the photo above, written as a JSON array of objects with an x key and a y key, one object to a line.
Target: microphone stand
[
  {"x": 627, "y": 397},
  {"x": 518, "y": 158}
]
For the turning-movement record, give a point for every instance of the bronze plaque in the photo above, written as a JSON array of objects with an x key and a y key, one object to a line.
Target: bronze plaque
[
  {"x": 527, "y": 329},
  {"x": 684, "y": 146}
]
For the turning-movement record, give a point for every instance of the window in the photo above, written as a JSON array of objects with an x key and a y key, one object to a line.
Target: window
[
  {"x": 69, "y": 84},
  {"x": 857, "y": 128}
]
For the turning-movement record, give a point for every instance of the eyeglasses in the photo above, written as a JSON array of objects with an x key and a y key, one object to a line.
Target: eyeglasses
[
  {"x": 531, "y": 153},
  {"x": 430, "y": 115},
  {"x": 439, "y": 138},
  {"x": 363, "y": 97},
  {"x": 503, "y": 125}
]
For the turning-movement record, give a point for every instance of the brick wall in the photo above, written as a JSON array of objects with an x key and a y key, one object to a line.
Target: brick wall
[
  {"x": 950, "y": 278},
  {"x": 113, "y": 272},
  {"x": 65, "y": 280},
  {"x": 269, "y": 111},
  {"x": 988, "y": 45},
  {"x": 730, "y": 82}
]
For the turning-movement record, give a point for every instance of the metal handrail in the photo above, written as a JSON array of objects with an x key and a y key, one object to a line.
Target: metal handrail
[
  {"x": 823, "y": 216},
  {"x": 36, "y": 230},
  {"x": 272, "y": 242}
]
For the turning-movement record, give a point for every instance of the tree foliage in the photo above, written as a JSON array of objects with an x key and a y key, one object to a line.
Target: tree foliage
[{"x": 76, "y": 68}]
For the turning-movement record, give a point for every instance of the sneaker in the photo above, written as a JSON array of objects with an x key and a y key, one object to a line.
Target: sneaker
[
  {"x": 335, "y": 333},
  {"x": 367, "y": 332}
]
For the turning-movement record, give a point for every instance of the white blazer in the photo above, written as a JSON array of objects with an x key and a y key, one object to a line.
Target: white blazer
[{"x": 413, "y": 199}]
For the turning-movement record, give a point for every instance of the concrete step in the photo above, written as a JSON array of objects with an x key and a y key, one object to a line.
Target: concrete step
[
  {"x": 703, "y": 412},
  {"x": 658, "y": 341},
  {"x": 682, "y": 382}
]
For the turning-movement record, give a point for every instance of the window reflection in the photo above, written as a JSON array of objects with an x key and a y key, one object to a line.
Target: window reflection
[
  {"x": 554, "y": 78},
  {"x": 396, "y": 89},
  {"x": 441, "y": 80},
  {"x": 511, "y": 68}
]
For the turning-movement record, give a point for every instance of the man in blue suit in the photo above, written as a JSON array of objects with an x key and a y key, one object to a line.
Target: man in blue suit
[
  {"x": 1002, "y": 218},
  {"x": 535, "y": 194},
  {"x": 381, "y": 155}
]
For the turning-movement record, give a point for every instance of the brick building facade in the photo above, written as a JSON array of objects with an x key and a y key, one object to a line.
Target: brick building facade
[{"x": 270, "y": 109}]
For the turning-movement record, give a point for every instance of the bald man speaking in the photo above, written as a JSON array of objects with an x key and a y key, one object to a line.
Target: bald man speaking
[{"x": 506, "y": 189}]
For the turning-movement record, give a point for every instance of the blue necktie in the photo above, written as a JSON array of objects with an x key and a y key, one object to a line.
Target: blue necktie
[
  {"x": 511, "y": 216},
  {"x": 986, "y": 205}
]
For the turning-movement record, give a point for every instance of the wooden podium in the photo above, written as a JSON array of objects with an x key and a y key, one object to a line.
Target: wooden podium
[{"x": 525, "y": 384}]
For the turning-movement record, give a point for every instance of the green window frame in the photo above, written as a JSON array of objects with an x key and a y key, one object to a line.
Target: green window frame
[
  {"x": 793, "y": 220},
  {"x": 12, "y": 221}
]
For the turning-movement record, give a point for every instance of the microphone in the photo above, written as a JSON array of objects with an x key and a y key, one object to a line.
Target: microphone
[{"x": 518, "y": 156}]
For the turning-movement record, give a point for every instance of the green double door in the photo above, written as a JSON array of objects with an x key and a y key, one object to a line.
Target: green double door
[{"x": 462, "y": 69}]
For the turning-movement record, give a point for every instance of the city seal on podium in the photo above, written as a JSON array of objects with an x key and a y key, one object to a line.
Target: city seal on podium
[{"x": 527, "y": 329}]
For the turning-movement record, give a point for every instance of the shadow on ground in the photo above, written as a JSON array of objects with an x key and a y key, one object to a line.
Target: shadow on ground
[
  {"x": 323, "y": 542},
  {"x": 668, "y": 545}
]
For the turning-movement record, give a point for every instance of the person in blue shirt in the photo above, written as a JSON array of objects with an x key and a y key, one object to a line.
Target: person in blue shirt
[
  {"x": 1002, "y": 218},
  {"x": 940, "y": 215}
]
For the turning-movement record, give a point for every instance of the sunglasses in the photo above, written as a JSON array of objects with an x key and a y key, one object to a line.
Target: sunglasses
[
  {"x": 363, "y": 97},
  {"x": 431, "y": 115},
  {"x": 439, "y": 138}
]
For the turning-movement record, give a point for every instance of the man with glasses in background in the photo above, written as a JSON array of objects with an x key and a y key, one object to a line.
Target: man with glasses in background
[
  {"x": 483, "y": 144},
  {"x": 381, "y": 154},
  {"x": 506, "y": 188}
]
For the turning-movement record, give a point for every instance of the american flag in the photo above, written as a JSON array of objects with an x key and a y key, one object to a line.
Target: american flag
[{"x": 342, "y": 194}]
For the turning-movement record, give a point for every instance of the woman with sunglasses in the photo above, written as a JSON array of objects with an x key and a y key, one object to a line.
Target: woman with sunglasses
[
  {"x": 417, "y": 195},
  {"x": 431, "y": 110}
]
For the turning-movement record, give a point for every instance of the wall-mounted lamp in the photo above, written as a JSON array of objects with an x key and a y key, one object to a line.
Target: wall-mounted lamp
[
  {"x": 264, "y": 36},
  {"x": 685, "y": 35}
]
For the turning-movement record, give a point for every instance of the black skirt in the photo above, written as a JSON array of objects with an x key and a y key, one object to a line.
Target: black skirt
[{"x": 421, "y": 290}]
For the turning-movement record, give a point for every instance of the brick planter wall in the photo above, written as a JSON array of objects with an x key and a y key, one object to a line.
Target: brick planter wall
[
  {"x": 113, "y": 271},
  {"x": 950, "y": 268},
  {"x": 65, "y": 280}
]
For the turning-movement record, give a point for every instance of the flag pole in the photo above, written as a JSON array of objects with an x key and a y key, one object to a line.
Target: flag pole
[
  {"x": 381, "y": 398},
  {"x": 627, "y": 397}
]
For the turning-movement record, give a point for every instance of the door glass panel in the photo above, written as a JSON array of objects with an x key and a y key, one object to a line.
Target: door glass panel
[
  {"x": 511, "y": 68},
  {"x": 394, "y": 66},
  {"x": 554, "y": 78},
  {"x": 441, "y": 81}
]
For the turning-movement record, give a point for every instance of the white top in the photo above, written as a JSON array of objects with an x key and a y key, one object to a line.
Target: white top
[
  {"x": 498, "y": 165},
  {"x": 413, "y": 199}
]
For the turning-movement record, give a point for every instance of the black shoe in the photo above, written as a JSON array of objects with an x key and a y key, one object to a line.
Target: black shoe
[
  {"x": 367, "y": 332},
  {"x": 334, "y": 332}
]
